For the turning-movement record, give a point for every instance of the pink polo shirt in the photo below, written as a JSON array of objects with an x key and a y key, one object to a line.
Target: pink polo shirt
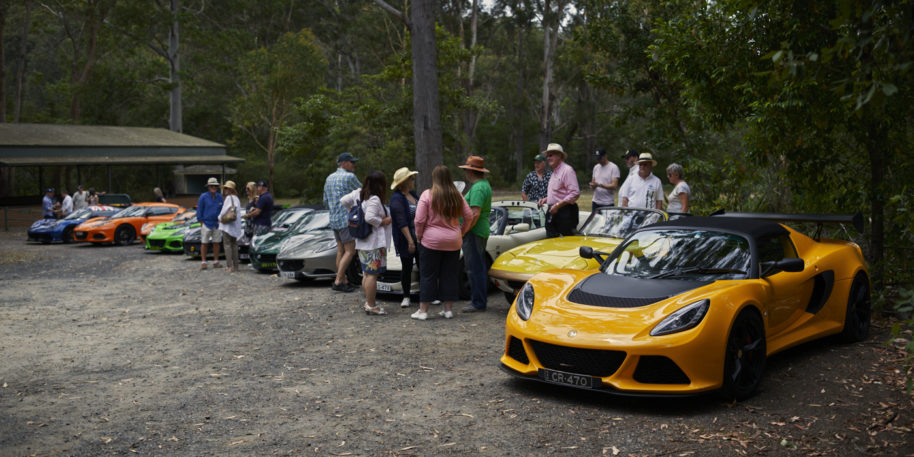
[
  {"x": 439, "y": 232},
  {"x": 563, "y": 185}
]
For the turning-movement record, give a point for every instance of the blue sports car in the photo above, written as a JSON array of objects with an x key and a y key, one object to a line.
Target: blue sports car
[{"x": 51, "y": 230}]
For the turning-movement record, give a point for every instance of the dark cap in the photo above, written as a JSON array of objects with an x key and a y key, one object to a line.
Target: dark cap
[
  {"x": 346, "y": 157},
  {"x": 49, "y": 190},
  {"x": 262, "y": 183},
  {"x": 631, "y": 152},
  {"x": 600, "y": 152},
  {"x": 539, "y": 158}
]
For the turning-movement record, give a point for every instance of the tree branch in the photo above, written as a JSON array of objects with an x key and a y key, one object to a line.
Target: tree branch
[{"x": 392, "y": 11}]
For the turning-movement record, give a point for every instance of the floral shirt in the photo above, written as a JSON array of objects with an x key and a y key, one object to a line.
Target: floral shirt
[{"x": 534, "y": 187}]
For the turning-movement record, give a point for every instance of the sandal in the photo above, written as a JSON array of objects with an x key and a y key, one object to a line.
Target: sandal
[{"x": 376, "y": 310}]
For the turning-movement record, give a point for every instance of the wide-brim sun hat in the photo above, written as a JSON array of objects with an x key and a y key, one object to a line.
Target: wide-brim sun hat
[
  {"x": 212, "y": 182},
  {"x": 475, "y": 163},
  {"x": 647, "y": 157},
  {"x": 229, "y": 185},
  {"x": 400, "y": 176},
  {"x": 555, "y": 147}
]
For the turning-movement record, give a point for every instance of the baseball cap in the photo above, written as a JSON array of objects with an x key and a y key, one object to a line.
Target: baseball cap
[
  {"x": 599, "y": 152},
  {"x": 346, "y": 157},
  {"x": 631, "y": 152},
  {"x": 262, "y": 183}
]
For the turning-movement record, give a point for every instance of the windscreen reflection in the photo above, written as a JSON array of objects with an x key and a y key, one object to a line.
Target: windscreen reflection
[
  {"x": 682, "y": 254},
  {"x": 619, "y": 223}
]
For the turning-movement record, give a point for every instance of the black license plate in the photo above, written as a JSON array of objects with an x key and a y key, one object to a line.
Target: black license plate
[{"x": 568, "y": 379}]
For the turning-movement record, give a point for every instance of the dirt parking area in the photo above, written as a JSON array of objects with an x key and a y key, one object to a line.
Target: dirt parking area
[{"x": 117, "y": 351}]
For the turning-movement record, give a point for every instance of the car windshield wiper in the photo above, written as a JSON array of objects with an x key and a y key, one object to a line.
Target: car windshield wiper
[{"x": 702, "y": 270}]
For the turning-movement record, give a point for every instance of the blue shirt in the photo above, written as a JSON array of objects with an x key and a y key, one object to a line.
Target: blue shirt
[
  {"x": 338, "y": 184},
  {"x": 265, "y": 205},
  {"x": 47, "y": 207},
  {"x": 208, "y": 208}
]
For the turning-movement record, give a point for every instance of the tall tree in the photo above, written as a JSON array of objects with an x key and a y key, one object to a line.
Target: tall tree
[
  {"x": 426, "y": 110},
  {"x": 272, "y": 78}
]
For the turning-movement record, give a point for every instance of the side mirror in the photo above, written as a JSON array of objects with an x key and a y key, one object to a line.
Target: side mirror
[
  {"x": 792, "y": 265},
  {"x": 587, "y": 252},
  {"x": 516, "y": 228}
]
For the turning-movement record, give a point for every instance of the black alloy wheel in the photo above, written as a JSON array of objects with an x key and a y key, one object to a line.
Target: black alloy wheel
[
  {"x": 857, "y": 315},
  {"x": 67, "y": 235},
  {"x": 745, "y": 357},
  {"x": 124, "y": 235}
]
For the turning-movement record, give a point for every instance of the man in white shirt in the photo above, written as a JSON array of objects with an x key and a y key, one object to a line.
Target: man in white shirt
[
  {"x": 66, "y": 206},
  {"x": 631, "y": 159},
  {"x": 604, "y": 181},
  {"x": 643, "y": 190},
  {"x": 80, "y": 198}
]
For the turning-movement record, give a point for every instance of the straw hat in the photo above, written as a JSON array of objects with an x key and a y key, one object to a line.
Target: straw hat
[
  {"x": 647, "y": 157},
  {"x": 402, "y": 175},
  {"x": 229, "y": 185},
  {"x": 475, "y": 163},
  {"x": 212, "y": 182},
  {"x": 555, "y": 147}
]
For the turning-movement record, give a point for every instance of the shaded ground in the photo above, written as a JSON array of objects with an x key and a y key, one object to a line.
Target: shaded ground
[{"x": 114, "y": 351}]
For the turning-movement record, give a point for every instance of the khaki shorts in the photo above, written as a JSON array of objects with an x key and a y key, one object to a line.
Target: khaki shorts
[{"x": 208, "y": 235}]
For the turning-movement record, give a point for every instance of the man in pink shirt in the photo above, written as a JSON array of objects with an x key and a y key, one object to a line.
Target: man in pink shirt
[{"x": 561, "y": 195}]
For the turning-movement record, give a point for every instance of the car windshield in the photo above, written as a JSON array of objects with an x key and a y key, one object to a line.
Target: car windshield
[
  {"x": 502, "y": 217},
  {"x": 289, "y": 218},
  {"x": 619, "y": 222},
  {"x": 78, "y": 214},
  {"x": 314, "y": 221},
  {"x": 131, "y": 211},
  {"x": 681, "y": 254},
  {"x": 186, "y": 215}
]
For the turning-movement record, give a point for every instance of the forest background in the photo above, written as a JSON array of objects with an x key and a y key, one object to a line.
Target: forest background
[{"x": 782, "y": 105}]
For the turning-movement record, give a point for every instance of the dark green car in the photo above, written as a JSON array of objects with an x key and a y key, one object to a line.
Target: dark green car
[{"x": 264, "y": 247}]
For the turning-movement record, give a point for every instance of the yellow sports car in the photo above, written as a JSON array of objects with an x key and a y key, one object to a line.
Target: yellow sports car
[
  {"x": 603, "y": 231},
  {"x": 688, "y": 306}
]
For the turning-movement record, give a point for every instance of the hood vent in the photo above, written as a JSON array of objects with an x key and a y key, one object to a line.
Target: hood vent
[{"x": 608, "y": 291}]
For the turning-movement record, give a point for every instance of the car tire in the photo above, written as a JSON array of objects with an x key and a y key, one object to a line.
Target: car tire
[
  {"x": 745, "y": 356},
  {"x": 857, "y": 314},
  {"x": 67, "y": 235},
  {"x": 124, "y": 235}
]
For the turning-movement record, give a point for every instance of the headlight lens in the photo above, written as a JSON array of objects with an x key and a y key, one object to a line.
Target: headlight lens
[
  {"x": 683, "y": 319},
  {"x": 146, "y": 227},
  {"x": 524, "y": 302}
]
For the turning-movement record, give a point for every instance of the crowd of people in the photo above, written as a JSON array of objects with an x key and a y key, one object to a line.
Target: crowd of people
[{"x": 59, "y": 206}]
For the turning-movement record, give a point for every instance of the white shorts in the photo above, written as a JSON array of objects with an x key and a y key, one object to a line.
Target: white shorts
[{"x": 208, "y": 235}]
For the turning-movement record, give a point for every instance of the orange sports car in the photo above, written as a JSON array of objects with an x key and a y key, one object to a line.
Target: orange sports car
[{"x": 123, "y": 227}]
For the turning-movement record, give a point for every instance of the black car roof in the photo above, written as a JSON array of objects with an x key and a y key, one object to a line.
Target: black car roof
[{"x": 749, "y": 228}]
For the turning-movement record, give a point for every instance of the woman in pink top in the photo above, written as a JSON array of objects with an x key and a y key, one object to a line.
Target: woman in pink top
[{"x": 440, "y": 235}]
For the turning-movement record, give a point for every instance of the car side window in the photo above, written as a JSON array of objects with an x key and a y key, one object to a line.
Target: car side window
[{"x": 774, "y": 248}]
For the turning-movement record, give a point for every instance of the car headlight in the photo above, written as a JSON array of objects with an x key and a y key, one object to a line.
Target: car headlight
[
  {"x": 524, "y": 302},
  {"x": 179, "y": 232},
  {"x": 683, "y": 319},
  {"x": 146, "y": 227}
]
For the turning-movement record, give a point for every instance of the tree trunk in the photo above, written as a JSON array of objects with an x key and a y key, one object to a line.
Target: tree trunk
[
  {"x": 175, "y": 118},
  {"x": 519, "y": 97},
  {"x": 3, "y": 8},
  {"x": 426, "y": 110},
  {"x": 23, "y": 53},
  {"x": 876, "y": 147},
  {"x": 551, "y": 22}
]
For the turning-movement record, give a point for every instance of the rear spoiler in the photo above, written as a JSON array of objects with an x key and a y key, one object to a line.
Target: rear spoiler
[{"x": 854, "y": 219}]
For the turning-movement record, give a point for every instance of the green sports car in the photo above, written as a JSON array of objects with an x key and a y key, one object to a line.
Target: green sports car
[
  {"x": 169, "y": 236},
  {"x": 264, "y": 247}
]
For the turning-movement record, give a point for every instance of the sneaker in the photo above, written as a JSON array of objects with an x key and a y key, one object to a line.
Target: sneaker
[
  {"x": 471, "y": 309},
  {"x": 446, "y": 314},
  {"x": 202, "y": 266},
  {"x": 419, "y": 315},
  {"x": 344, "y": 288},
  {"x": 217, "y": 265},
  {"x": 405, "y": 303}
]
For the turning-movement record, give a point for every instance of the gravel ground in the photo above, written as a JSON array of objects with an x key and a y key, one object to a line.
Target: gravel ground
[{"x": 114, "y": 351}]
